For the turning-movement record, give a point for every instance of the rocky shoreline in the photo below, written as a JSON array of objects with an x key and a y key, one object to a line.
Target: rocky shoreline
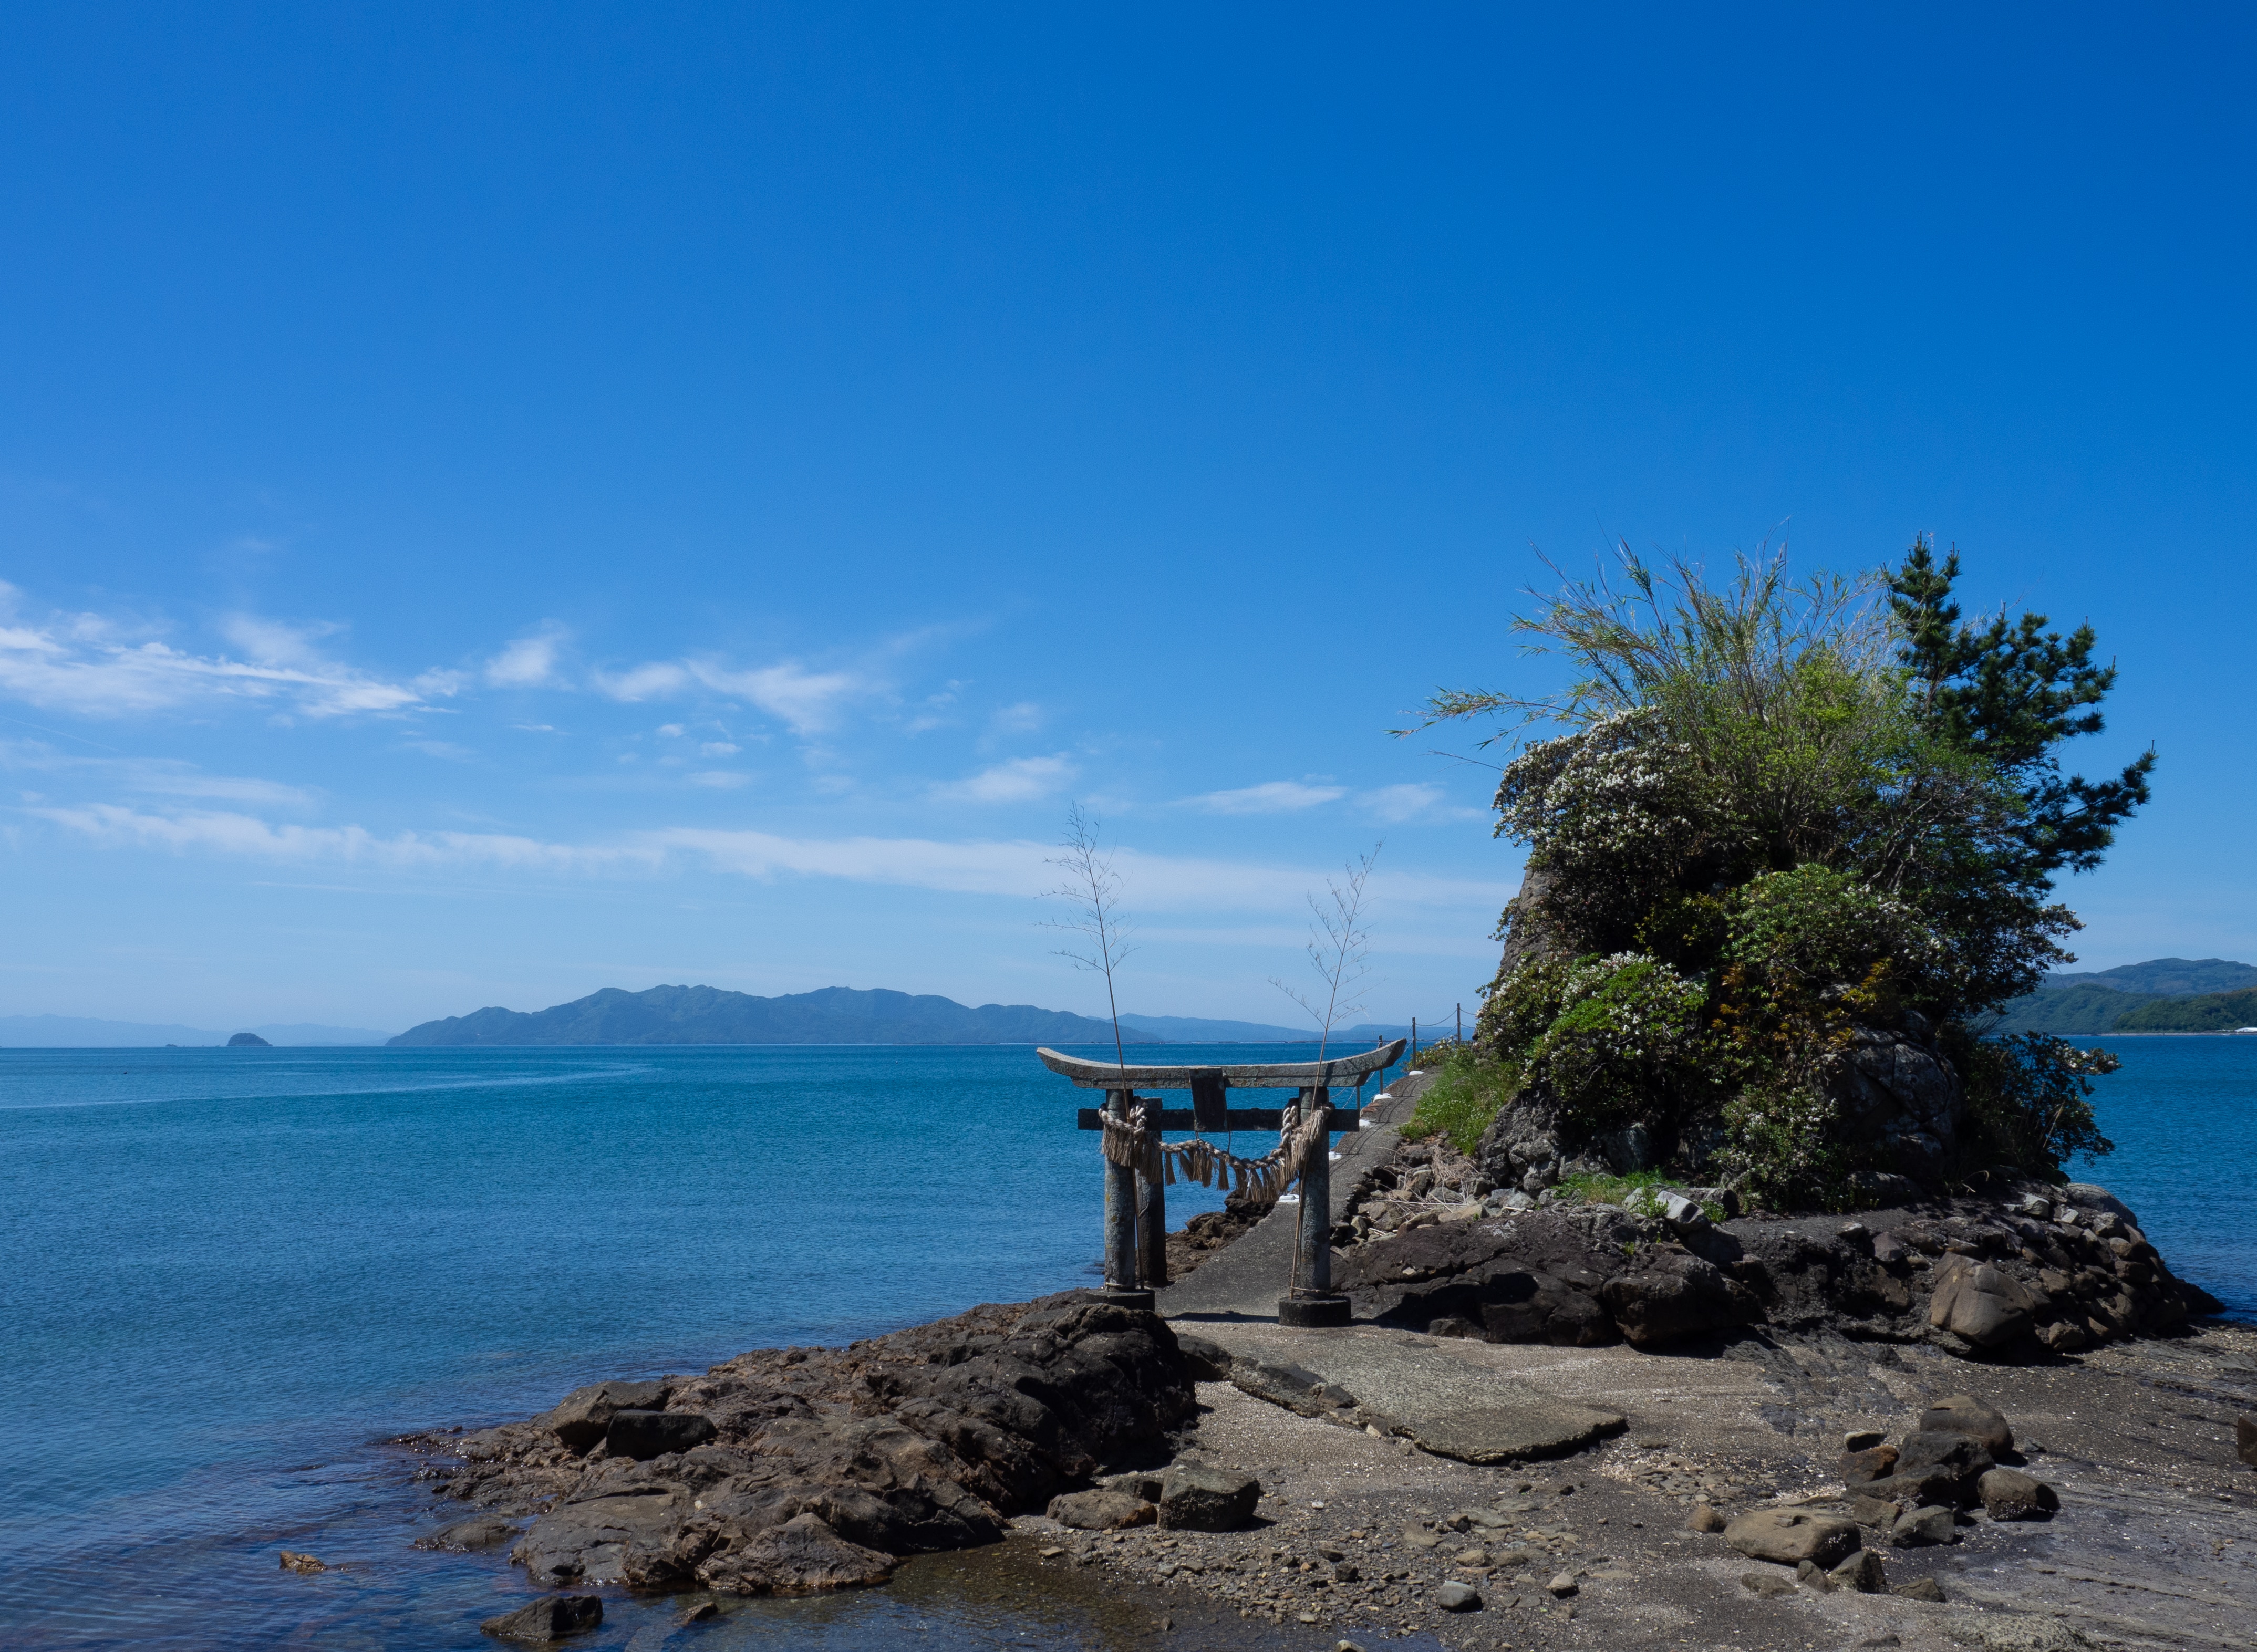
[{"x": 1675, "y": 1372}]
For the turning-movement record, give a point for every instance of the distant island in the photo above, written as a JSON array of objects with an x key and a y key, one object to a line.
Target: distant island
[
  {"x": 830, "y": 1015},
  {"x": 2163, "y": 995},
  {"x": 80, "y": 1032}
]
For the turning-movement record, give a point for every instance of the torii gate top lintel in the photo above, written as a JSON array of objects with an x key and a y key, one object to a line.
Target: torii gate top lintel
[{"x": 1341, "y": 1070}]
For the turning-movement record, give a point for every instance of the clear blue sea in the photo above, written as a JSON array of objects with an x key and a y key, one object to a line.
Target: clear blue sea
[{"x": 226, "y": 1276}]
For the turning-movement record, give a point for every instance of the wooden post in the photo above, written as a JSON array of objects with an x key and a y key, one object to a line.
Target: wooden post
[
  {"x": 1315, "y": 1269},
  {"x": 1311, "y": 1303},
  {"x": 1152, "y": 1209},
  {"x": 1120, "y": 1207}
]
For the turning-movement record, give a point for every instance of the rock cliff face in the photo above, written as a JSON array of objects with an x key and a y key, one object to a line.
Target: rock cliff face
[
  {"x": 795, "y": 1469},
  {"x": 2031, "y": 1270},
  {"x": 1897, "y": 1092}
]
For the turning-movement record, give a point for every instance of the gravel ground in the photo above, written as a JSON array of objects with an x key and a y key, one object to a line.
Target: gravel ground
[{"x": 1359, "y": 1534}]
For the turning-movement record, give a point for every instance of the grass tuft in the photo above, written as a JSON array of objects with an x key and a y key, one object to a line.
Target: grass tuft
[{"x": 1464, "y": 1097}]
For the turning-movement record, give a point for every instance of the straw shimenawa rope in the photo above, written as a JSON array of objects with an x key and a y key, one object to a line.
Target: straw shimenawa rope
[{"x": 1128, "y": 1143}]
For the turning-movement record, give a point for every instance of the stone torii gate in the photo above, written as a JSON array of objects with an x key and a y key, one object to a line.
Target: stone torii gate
[{"x": 1135, "y": 1203}]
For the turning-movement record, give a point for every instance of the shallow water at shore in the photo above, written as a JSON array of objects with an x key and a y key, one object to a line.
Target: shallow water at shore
[{"x": 226, "y": 1276}]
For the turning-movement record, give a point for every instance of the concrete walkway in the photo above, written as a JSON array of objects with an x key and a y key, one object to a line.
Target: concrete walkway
[
  {"x": 1248, "y": 1278},
  {"x": 1453, "y": 1400}
]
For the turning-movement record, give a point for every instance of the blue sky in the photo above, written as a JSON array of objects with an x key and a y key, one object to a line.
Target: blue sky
[{"x": 502, "y": 501}]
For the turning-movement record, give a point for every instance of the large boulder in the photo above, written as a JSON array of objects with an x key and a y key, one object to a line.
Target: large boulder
[
  {"x": 1933, "y": 1451},
  {"x": 584, "y": 1415},
  {"x": 1100, "y": 1510},
  {"x": 1986, "y": 1305},
  {"x": 550, "y": 1618},
  {"x": 1924, "y": 1527},
  {"x": 1194, "y": 1497},
  {"x": 1669, "y": 1296},
  {"x": 2008, "y": 1493},
  {"x": 1790, "y": 1537},
  {"x": 1937, "y": 1483},
  {"x": 1961, "y": 1414}
]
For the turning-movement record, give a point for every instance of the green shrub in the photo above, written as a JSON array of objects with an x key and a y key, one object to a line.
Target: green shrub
[
  {"x": 1804, "y": 933},
  {"x": 1783, "y": 1149},
  {"x": 1621, "y": 1048},
  {"x": 1614, "y": 1040},
  {"x": 1463, "y": 1096},
  {"x": 2029, "y": 1101}
]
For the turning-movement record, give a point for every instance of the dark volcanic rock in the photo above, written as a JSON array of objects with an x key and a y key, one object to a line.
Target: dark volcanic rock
[
  {"x": 1196, "y": 1498},
  {"x": 2016, "y": 1273},
  {"x": 643, "y": 1435},
  {"x": 924, "y": 1440},
  {"x": 800, "y": 1556},
  {"x": 584, "y": 1415},
  {"x": 481, "y": 1531},
  {"x": 550, "y": 1618},
  {"x": 1669, "y": 1298},
  {"x": 1533, "y": 1277},
  {"x": 1958, "y": 1413},
  {"x": 1930, "y": 1451},
  {"x": 1871, "y": 1464},
  {"x": 1937, "y": 1484},
  {"x": 2008, "y": 1493}
]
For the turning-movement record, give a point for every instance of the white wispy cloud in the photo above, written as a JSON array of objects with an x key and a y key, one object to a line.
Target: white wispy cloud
[
  {"x": 1394, "y": 803},
  {"x": 805, "y": 701},
  {"x": 227, "y": 833},
  {"x": 1391, "y": 804},
  {"x": 153, "y": 776},
  {"x": 1019, "y": 780},
  {"x": 96, "y": 666},
  {"x": 1272, "y": 797},
  {"x": 530, "y": 661},
  {"x": 1014, "y": 868}
]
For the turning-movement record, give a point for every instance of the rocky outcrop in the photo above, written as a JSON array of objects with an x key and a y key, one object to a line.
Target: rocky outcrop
[
  {"x": 2026, "y": 1271},
  {"x": 1901, "y": 1098},
  {"x": 1574, "y": 1280},
  {"x": 797, "y": 1469}
]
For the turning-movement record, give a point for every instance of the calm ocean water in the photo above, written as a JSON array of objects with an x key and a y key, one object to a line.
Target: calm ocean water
[{"x": 226, "y": 1276}]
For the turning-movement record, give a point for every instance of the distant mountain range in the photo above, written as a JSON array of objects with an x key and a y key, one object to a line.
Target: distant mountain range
[
  {"x": 834, "y": 1015},
  {"x": 77, "y": 1032},
  {"x": 2163, "y": 995}
]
